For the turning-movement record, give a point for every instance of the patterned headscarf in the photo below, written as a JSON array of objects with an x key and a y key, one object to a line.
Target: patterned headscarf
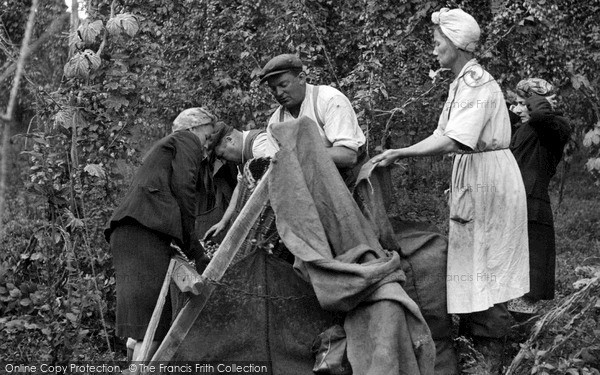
[
  {"x": 530, "y": 86},
  {"x": 459, "y": 26},
  {"x": 193, "y": 117}
]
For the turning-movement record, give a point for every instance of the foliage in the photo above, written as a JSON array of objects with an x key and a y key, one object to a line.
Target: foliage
[
  {"x": 556, "y": 40},
  {"x": 50, "y": 299},
  {"x": 76, "y": 147}
]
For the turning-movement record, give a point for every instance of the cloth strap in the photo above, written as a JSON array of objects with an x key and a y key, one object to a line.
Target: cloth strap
[
  {"x": 349, "y": 174},
  {"x": 315, "y": 95},
  {"x": 482, "y": 151},
  {"x": 247, "y": 153}
]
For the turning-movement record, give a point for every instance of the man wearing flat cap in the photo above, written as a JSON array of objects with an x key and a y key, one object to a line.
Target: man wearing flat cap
[
  {"x": 159, "y": 208},
  {"x": 326, "y": 106},
  {"x": 239, "y": 147}
]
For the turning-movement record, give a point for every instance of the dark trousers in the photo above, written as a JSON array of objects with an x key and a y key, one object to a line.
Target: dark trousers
[{"x": 492, "y": 323}]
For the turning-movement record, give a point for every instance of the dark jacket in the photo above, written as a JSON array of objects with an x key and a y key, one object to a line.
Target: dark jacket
[
  {"x": 162, "y": 196},
  {"x": 538, "y": 146}
]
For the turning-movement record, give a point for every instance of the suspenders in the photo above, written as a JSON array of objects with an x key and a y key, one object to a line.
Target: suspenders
[
  {"x": 315, "y": 95},
  {"x": 248, "y": 142},
  {"x": 349, "y": 174}
]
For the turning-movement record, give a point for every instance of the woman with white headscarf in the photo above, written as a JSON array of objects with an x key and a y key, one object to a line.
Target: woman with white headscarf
[{"x": 487, "y": 250}]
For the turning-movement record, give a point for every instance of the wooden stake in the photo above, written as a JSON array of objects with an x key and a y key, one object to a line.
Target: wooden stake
[
  {"x": 142, "y": 356},
  {"x": 214, "y": 271}
]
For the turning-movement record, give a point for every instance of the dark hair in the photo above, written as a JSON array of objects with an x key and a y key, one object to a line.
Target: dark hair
[{"x": 221, "y": 131}]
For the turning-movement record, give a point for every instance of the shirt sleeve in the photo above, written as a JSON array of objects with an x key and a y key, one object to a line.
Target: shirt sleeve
[
  {"x": 263, "y": 146},
  {"x": 340, "y": 123},
  {"x": 468, "y": 113}
]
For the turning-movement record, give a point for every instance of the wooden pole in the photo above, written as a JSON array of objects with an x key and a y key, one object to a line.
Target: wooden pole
[
  {"x": 74, "y": 25},
  {"x": 142, "y": 356},
  {"x": 12, "y": 101},
  {"x": 214, "y": 271}
]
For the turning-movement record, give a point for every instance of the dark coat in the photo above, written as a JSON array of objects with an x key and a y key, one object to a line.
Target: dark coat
[
  {"x": 538, "y": 146},
  {"x": 162, "y": 196}
]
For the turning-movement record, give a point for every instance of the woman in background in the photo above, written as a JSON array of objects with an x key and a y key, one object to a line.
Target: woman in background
[{"x": 538, "y": 144}]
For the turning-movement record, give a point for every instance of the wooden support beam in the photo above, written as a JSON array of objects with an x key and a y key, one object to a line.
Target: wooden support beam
[{"x": 214, "y": 271}]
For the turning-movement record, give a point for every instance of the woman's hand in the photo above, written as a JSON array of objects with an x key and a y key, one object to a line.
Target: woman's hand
[{"x": 386, "y": 158}]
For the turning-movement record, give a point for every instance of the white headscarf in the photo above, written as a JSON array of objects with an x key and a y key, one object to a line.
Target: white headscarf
[{"x": 459, "y": 26}]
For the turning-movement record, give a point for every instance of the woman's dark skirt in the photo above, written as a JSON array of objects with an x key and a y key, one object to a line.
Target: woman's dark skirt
[
  {"x": 141, "y": 258},
  {"x": 542, "y": 260}
]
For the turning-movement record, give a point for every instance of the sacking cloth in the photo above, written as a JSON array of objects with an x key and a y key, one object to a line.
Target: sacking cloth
[{"x": 323, "y": 227}]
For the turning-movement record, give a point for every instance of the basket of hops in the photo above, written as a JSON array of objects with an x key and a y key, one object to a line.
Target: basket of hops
[{"x": 210, "y": 248}]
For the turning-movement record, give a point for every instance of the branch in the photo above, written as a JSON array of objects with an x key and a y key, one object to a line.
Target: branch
[
  {"x": 7, "y": 118},
  {"x": 21, "y": 62},
  {"x": 308, "y": 17},
  {"x": 550, "y": 317},
  {"x": 393, "y": 111},
  {"x": 74, "y": 26},
  {"x": 52, "y": 29}
]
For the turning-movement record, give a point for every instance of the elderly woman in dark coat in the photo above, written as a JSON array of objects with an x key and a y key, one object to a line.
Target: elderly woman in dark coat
[
  {"x": 538, "y": 147},
  {"x": 159, "y": 209}
]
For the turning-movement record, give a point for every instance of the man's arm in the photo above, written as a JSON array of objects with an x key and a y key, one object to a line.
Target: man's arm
[
  {"x": 342, "y": 156},
  {"x": 340, "y": 126},
  {"x": 222, "y": 224}
]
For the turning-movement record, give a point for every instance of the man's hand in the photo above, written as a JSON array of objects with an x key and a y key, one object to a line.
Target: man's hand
[{"x": 215, "y": 229}]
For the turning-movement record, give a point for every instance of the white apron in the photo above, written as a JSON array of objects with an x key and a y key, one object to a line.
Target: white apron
[{"x": 488, "y": 255}]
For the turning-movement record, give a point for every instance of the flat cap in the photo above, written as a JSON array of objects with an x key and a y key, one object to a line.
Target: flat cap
[
  {"x": 193, "y": 117},
  {"x": 280, "y": 64}
]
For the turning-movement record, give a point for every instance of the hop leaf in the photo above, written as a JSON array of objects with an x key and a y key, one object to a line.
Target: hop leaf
[
  {"x": 129, "y": 23},
  {"x": 72, "y": 221},
  {"x": 578, "y": 80},
  {"x": 75, "y": 41},
  {"x": 593, "y": 164},
  {"x": 95, "y": 170},
  {"x": 69, "y": 117},
  {"x": 125, "y": 22},
  {"x": 81, "y": 64},
  {"x": 77, "y": 67},
  {"x": 64, "y": 117},
  {"x": 113, "y": 27},
  {"x": 89, "y": 31},
  {"x": 115, "y": 102},
  {"x": 92, "y": 58}
]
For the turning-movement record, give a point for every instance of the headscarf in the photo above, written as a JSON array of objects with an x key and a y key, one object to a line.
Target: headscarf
[
  {"x": 459, "y": 26},
  {"x": 527, "y": 87},
  {"x": 193, "y": 117}
]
